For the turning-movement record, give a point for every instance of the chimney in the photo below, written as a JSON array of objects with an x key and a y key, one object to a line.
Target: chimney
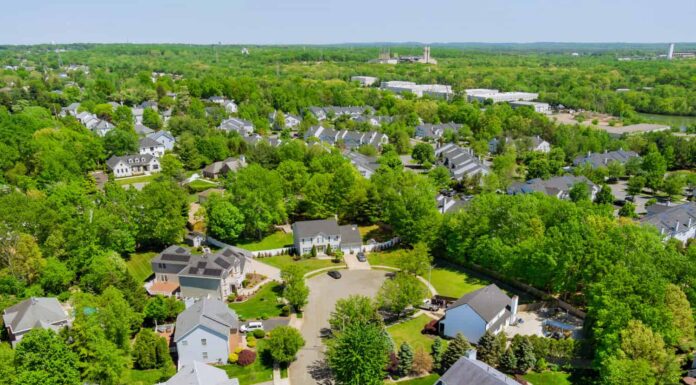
[
  {"x": 471, "y": 354},
  {"x": 589, "y": 153},
  {"x": 676, "y": 228},
  {"x": 513, "y": 308},
  {"x": 689, "y": 225}
]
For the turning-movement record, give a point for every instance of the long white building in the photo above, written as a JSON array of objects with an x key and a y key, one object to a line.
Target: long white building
[
  {"x": 433, "y": 90},
  {"x": 483, "y": 94}
]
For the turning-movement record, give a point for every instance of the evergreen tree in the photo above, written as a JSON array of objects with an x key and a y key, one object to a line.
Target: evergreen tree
[
  {"x": 405, "y": 359},
  {"x": 455, "y": 350},
  {"x": 488, "y": 349},
  {"x": 313, "y": 252},
  {"x": 437, "y": 351},
  {"x": 524, "y": 353},
  {"x": 508, "y": 362}
]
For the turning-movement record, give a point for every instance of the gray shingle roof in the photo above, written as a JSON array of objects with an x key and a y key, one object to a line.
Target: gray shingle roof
[
  {"x": 487, "y": 302},
  {"x": 308, "y": 229},
  {"x": 467, "y": 371},
  {"x": 672, "y": 220},
  {"x": 33, "y": 313},
  {"x": 136, "y": 159},
  {"x": 207, "y": 312},
  {"x": 148, "y": 142},
  {"x": 198, "y": 373},
  {"x": 599, "y": 159},
  {"x": 552, "y": 186},
  {"x": 350, "y": 236}
]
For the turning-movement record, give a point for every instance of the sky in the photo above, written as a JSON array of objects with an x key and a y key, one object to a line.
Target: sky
[{"x": 347, "y": 21}]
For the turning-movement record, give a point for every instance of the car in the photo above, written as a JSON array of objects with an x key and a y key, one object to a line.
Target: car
[
  {"x": 361, "y": 257},
  {"x": 251, "y": 326},
  {"x": 334, "y": 274},
  {"x": 629, "y": 198},
  {"x": 429, "y": 305}
]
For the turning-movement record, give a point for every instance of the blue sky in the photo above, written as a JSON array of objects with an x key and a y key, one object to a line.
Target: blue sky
[{"x": 333, "y": 21}]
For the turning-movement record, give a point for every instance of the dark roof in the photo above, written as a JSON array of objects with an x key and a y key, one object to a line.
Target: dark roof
[
  {"x": 467, "y": 371},
  {"x": 137, "y": 159},
  {"x": 35, "y": 312},
  {"x": 487, "y": 302},
  {"x": 211, "y": 313},
  {"x": 350, "y": 236},
  {"x": 149, "y": 142},
  {"x": 671, "y": 220},
  {"x": 600, "y": 159},
  {"x": 552, "y": 186},
  {"x": 311, "y": 228},
  {"x": 215, "y": 265},
  {"x": 173, "y": 253}
]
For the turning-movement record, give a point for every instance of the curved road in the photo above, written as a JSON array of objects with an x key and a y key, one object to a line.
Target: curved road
[{"x": 324, "y": 291}]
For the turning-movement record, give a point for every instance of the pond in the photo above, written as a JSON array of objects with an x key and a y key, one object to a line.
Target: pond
[{"x": 677, "y": 121}]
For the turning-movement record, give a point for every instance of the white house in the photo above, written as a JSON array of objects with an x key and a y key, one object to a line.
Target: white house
[
  {"x": 678, "y": 221},
  {"x": 198, "y": 373},
  {"x": 33, "y": 313},
  {"x": 324, "y": 233},
  {"x": 206, "y": 332},
  {"x": 483, "y": 94},
  {"x": 291, "y": 121},
  {"x": 365, "y": 81},
  {"x": 165, "y": 138},
  {"x": 130, "y": 165},
  {"x": 229, "y": 105},
  {"x": 243, "y": 127},
  {"x": 486, "y": 309},
  {"x": 151, "y": 147},
  {"x": 558, "y": 186}
]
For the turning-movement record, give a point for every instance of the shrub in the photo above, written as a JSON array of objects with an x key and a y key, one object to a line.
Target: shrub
[
  {"x": 238, "y": 349},
  {"x": 285, "y": 311},
  {"x": 393, "y": 364},
  {"x": 264, "y": 316},
  {"x": 258, "y": 333},
  {"x": 251, "y": 341},
  {"x": 234, "y": 357},
  {"x": 541, "y": 365},
  {"x": 246, "y": 357}
]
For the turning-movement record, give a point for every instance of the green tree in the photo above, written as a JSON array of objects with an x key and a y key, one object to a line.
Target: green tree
[
  {"x": 628, "y": 210},
  {"x": 358, "y": 355},
  {"x": 437, "y": 351},
  {"x": 160, "y": 309},
  {"x": 654, "y": 166},
  {"x": 399, "y": 292},
  {"x": 172, "y": 167},
  {"x": 152, "y": 119},
  {"x": 456, "y": 349},
  {"x": 20, "y": 254},
  {"x": 296, "y": 293},
  {"x": 423, "y": 153},
  {"x": 42, "y": 358},
  {"x": 284, "y": 343},
  {"x": 56, "y": 276},
  {"x": 524, "y": 353},
  {"x": 355, "y": 310},
  {"x": 162, "y": 213},
  {"x": 635, "y": 185},
  {"x": 488, "y": 349},
  {"x": 615, "y": 169},
  {"x": 223, "y": 220},
  {"x": 415, "y": 261},
  {"x": 508, "y": 361},
  {"x": 8, "y": 372},
  {"x": 579, "y": 192},
  {"x": 604, "y": 196},
  {"x": 405, "y": 359},
  {"x": 678, "y": 305},
  {"x": 121, "y": 141},
  {"x": 674, "y": 185}
]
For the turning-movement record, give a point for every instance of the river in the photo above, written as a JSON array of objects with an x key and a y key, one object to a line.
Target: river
[{"x": 673, "y": 120}]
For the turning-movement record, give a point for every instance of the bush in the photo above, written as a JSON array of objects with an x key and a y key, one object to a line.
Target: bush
[
  {"x": 541, "y": 365},
  {"x": 251, "y": 341},
  {"x": 285, "y": 311},
  {"x": 234, "y": 357},
  {"x": 246, "y": 357},
  {"x": 264, "y": 316},
  {"x": 238, "y": 349},
  {"x": 258, "y": 333}
]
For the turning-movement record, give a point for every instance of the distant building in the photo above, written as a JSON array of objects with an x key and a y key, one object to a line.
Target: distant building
[
  {"x": 534, "y": 143},
  {"x": 602, "y": 159},
  {"x": 350, "y": 139},
  {"x": 461, "y": 162},
  {"x": 542, "y": 108},
  {"x": 483, "y": 94},
  {"x": 135, "y": 164},
  {"x": 558, "y": 186},
  {"x": 439, "y": 91},
  {"x": 678, "y": 221},
  {"x": 366, "y": 165},
  {"x": 323, "y": 113},
  {"x": 291, "y": 121},
  {"x": 470, "y": 371},
  {"x": 241, "y": 126},
  {"x": 365, "y": 81},
  {"x": 34, "y": 313},
  {"x": 435, "y": 131},
  {"x": 323, "y": 233}
]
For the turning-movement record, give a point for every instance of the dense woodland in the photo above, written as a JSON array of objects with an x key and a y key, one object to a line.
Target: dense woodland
[{"x": 62, "y": 236}]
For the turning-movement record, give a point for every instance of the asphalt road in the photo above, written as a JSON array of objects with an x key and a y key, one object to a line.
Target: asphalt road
[{"x": 310, "y": 367}]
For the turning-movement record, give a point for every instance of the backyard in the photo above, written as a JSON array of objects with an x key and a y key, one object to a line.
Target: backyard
[
  {"x": 139, "y": 265},
  {"x": 144, "y": 377},
  {"x": 274, "y": 241},
  {"x": 306, "y": 265},
  {"x": 260, "y": 371},
  {"x": 427, "y": 380},
  {"x": 410, "y": 332},
  {"x": 262, "y": 304},
  {"x": 548, "y": 378},
  {"x": 135, "y": 179},
  {"x": 376, "y": 232}
]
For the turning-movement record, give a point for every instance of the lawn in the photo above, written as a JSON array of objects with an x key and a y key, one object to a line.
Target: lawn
[
  {"x": 135, "y": 179},
  {"x": 548, "y": 378},
  {"x": 264, "y": 302},
  {"x": 144, "y": 377},
  {"x": 427, "y": 380},
  {"x": 260, "y": 371},
  {"x": 410, "y": 331},
  {"x": 199, "y": 185},
  {"x": 139, "y": 265},
  {"x": 274, "y": 241},
  {"x": 383, "y": 258},
  {"x": 307, "y": 265},
  {"x": 376, "y": 232}
]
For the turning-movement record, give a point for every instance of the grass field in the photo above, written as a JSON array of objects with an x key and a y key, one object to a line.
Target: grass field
[
  {"x": 135, "y": 179},
  {"x": 307, "y": 265},
  {"x": 139, "y": 265},
  {"x": 549, "y": 378},
  {"x": 260, "y": 371},
  {"x": 264, "y": 302},
  {"x": 427, "y": 380},
  {"x": 410, "y": 332},
  {"x": 199, "y": 185},
  {"x": 274, "y": 241},
  {"x": 144, "y": 377},
  {"x": 376, "y": 232}
]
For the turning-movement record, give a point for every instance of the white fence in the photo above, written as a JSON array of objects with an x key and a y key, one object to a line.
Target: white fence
[
  {"x": 370, "y": 246},
  {"x": 273, "y": 252},
  {"x": 381, "y": 246}
]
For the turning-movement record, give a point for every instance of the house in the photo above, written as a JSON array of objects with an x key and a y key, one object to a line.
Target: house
[
  {"x": 291, "y": 121},
  {"x": 241, "y": 126},
  {"x": 208, "y": 331},
  {"x": 70, "y": 110},
  {"x": 229, "y": 105},
  {"x": 198, "y": 373},
  {"x": 151, "y": 104},
  {"x": 461, "y": 162},
  {"x": 558, "y": 186},
  {"x": 448, "y": 202},
  {"x": 135, "y": 164},
  {"x": 137, "y": 113},
  {"x": 678, "y": 221},
  {"x": 486, "y": 309},
  {"x": 599, "y": 159},
  {"x": 102, "y": 127},
  {"x": 435, "y": 131},
  {"x": 164, "y": 138},
  {"x": 322, "y": 113},
  {"x": 143, "y": 130},
  {"x": 483, "y": 94},
  {"x": 150, "y": 146},
  {"x": 217, "y": 169},
  {"x": 324, "y": 233},
  {"x": 470, "y": 371},
  {"x": 366, "y": 165},
  {"x": 364, "y": 81},
  {"x": 439, "y": 91},
  {"x": 374, "y": 121},
  {"x": 542, "y": 108},
  {"x": 33, "y": 313},
  {"x": 194, "y": 239},
  {"x": 350, "y": 139},
  {"x": 196, "y": 276},
  {"x": 534, "y": 143}
]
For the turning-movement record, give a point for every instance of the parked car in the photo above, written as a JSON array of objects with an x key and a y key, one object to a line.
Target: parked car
[
  {"x": 629, "y": 198},
  {"x": 361, "y": 257},
  {"x": 251, "y": 326},
  {"x": 334, "y": 274},
  {"x": 429, "y": 305}
]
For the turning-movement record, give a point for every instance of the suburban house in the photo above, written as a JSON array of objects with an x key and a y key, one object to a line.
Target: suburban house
[
  {"x": 534, "y": 143},
  {"x": 291, "y": 121},
  {"x": 350, "y": 139},
  {"x": 365, "y": 81},
  {"x": 366, "y": 165},
  {"x": 322, "y": 113},
  {"x": 229, "y": 105},
  {"x": 558, "y": 186},
  {"x": 324, "y": 233},
  {"x": 164, "y": 138},
  {"x": 136, "y": 164},
  {"x": 217, "y": 169},
  {"x": 374, "y": 121},
  {"x": 142, "y": 130},
  {"x": 195, "y": 276},
  {"x": 435, "y": 131},
  {"x": 602, "y": 159},
  {"x": 93, "y": 123},
  {"x": 151, "y": 104},
  {"x": 448, "y": 202},
  {"x": 33, "y": 313},
  {"x": 199, "y": 373},
  {"x": 70, "y": 110},
  {"x": 542, "y": 108},
  {"x": 677, "y": 221},
  {"x": 470, "y": 371},
  {"x": 461, "y": 162},
  {"x": 151, "y": 147},
  {"x": 208, "y": 331},
  {"x": 486, "y": 309},
  {"x": 241, "y": 126},
  {"x": 137, "y": 113}
]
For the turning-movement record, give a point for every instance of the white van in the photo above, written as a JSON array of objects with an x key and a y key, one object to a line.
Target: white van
[{"x": 251, "y": 326}]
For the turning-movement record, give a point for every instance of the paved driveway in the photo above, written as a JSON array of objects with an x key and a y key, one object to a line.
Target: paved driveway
[
  {"x": 309, "y": 368},
  {"x": 352, "y": 262}
]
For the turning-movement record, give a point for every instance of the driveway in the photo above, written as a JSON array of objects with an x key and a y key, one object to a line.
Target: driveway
[
  {"x": 310, "y": 367},
  {"x": 352, "y": 262}
]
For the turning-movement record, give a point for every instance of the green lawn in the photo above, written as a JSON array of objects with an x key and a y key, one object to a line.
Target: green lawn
[
  {"x": 260, "y": 371},
  {"x": 135, "y": 179},
  {"x": 410, "y": 331},
  {"x": 427, "y": 380},
  {"x": 382, "y": 258},
  {"x": 199, "y": 185},
  {"x": 144, "y": 377},
  {"x": 376, "y": 232},
  {"x": 265, "y": 301},
  {"x": 307, "y": 265},
  {"x": 274, "y": 241},
  {"x": 549, "y": 378},
  {"x": 139, "y": 265}
]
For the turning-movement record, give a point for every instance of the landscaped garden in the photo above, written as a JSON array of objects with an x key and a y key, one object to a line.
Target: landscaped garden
[
  {"x": 410, "y": 332},
  {"x": 139, "y": 265},
  {"x": 307, "y": 264},
  {"x": 264, "y": 304},
  {"x": 276, "y": 240},
  {"x": 261, "y": 370},
  {"x": 135, "y": 179}
]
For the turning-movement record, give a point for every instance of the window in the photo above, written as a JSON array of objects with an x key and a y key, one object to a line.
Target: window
[
  {"x": 184, "y": 343},
  {"x": 204, "y": 342},
  {"x": 205, "y": 355}
]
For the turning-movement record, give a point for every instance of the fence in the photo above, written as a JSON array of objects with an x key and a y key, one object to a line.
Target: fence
[
  {"x": 381, "y": 246},
  {"x": 273, "y": 252}
]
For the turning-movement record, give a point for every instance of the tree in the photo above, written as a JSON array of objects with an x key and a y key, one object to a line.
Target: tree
[
  {"x": 21, "y": 255},
  {"x": 456, "y": 349},
  {"x": 604, "y": 196},
  {"x": 674, "y": 185},
  {"x": 655, "y": 167},
  {"x": 152, "y": 119},
  {"x": 423, "y": 152},
  {"x": 437, "y": 351},
  {"x": 116, "y": 317},
  {"x": 399, "y": 292},
  {"x": 56, "y": 276},
  {"x": 524, "y": 353},
  {"x": 355, "y": 310},
  {"x": 488, "y": 349},
  {"x": 296, "y": 293},
  {"x": 635, "y": 185},
  {"x": 160, "y": 309},
  {"x": 579, "y": 192},
  {"x": 284, "y": 343},
  {"x": 628, "y": 210},
  {"x": 150, "y": 351},
  {"x": 682, "y": 316},
  {"x": 640, "y": 343},
  {"x": 508, "y": 362},
  {"x": 358, "y": 355},
  {"x": 405, "y": 359},
  {"x": 162, "y": 213},
  {"x": 224, "y": 221},
  {"x": 440, "y": 177},
  {"x": 42, "y": 358},
  {"x": 415, "y": 261},
  {"x": 172, "y": 167},
  {"x": 422, "y": 363},
  {"x": 7, "y": 369},
  {"x": 121, "y": 141}
]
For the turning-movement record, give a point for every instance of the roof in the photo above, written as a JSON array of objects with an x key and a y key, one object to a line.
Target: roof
[
  {"x": 350, "y": 235},
  {"x": 487, "y": 302},
  {"x": 216, "y": 265},
  {"x": 35, "y": 312},
  {"x": 199, "y": 373},
  {"x": 142, "y": 129},
  {"x": 136, "y": 159},
  {"x": 672, "y": 220},
  {"x": 467, "y": 371},
  {"x": 435, "y": 130},
  {"x": 149, "y": 142},
  {"x": 460, "y": 161},
  {"x": 599, "y": 159},
  {"x": 210, "y": 313},
  {"x": 308, "y": 229},
  {"x": 367, "y": 162},
  {"x": 229, "y": 164},
  {"x": 552, "y": 186},
  {"x": 161, "y": 134}
]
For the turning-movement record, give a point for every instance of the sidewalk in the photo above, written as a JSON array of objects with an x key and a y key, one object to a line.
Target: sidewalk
[{"x": 277, "y": 380}]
